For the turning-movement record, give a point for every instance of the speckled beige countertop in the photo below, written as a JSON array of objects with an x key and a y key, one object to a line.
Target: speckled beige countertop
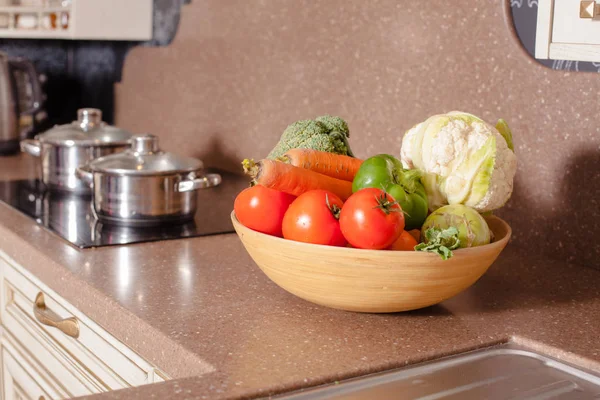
[{"x": 201, "y": 310}]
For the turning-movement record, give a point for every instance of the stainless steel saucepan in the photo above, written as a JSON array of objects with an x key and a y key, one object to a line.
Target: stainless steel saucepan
[
  {"x": 145, "y": 186},
  {"x": 65, "y": 147}
]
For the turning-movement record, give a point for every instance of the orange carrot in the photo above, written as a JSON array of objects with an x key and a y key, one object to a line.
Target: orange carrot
[
  {"x": 294, "y": 180},
  {"x": 416, "y": 233},
  {"x": 334, "y": 165}
]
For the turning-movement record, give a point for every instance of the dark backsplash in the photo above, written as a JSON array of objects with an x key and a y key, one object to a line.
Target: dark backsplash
[{"x": 83, "y": 73}]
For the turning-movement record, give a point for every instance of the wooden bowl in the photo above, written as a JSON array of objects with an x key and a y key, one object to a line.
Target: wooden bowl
[{"x": 376, "y": 281}]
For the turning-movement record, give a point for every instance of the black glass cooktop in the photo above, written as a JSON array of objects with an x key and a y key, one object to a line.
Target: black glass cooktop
[{"x": 71, "y": 216}]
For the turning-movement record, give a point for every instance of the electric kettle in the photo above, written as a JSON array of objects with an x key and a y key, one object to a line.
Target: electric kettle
[{"x": 21, "y": 99}]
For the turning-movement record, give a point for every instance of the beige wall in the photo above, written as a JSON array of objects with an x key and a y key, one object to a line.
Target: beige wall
[{"x": 238, "y": 72}]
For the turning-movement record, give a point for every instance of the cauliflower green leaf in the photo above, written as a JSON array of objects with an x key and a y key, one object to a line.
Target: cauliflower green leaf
[{"x": 506, "y": 133}]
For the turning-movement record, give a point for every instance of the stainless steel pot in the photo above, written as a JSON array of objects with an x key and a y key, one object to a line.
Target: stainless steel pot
[
  {"x": 145, "y": 186},
  {"x": 65, "y": 147}
]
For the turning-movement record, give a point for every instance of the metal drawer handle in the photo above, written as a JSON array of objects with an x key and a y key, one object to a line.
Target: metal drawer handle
[{"x": 69, "y": 326}]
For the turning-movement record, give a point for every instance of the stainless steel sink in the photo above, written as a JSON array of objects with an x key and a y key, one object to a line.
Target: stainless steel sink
[{"x": 501, "y": 372}]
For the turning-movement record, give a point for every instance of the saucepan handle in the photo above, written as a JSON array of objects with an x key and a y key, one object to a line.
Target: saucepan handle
[
  {"x": 203, "y": 182},
  {"x": 85, "y": 174},
  {"x": 31, "y": 146}
]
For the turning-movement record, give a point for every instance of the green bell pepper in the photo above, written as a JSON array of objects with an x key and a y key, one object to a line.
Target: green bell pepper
[{"x": 386, "y": 172}]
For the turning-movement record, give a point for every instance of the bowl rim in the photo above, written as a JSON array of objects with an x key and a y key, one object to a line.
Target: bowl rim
[{"x": 463, "y": 251}]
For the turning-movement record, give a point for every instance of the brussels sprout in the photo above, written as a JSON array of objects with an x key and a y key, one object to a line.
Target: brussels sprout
[{"x": 472, "y": 228}]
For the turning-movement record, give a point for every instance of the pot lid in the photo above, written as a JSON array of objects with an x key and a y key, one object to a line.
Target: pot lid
[
  {"x": 144, "y": 158},
  {"x": 89, "y": 129}
]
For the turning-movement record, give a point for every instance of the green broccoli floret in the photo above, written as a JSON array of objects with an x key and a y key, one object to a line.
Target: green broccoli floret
[
  {"x": 334, "y": 124},
  {"x": 326, "y": 133}
]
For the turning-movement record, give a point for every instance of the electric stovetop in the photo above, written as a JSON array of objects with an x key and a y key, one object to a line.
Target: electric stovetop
[{"x": 71, "y": 216}]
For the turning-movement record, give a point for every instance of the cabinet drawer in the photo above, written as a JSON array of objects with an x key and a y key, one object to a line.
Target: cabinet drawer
[
  {"x": 90, "y": 360},
  {"x": 47, "y": 354},
  {"x": 21, "y": 380}
]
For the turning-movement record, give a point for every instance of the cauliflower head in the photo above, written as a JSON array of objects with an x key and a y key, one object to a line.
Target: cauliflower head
[{"x": 464, "y": 160}]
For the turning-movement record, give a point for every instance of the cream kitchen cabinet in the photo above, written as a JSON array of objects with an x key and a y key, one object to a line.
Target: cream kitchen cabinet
[
  {"x": 76, "y": 19},
  {"x": 51, "y": 349},
  {"x": 568, "y": 30},
  {"x": 21, "y": 380}
]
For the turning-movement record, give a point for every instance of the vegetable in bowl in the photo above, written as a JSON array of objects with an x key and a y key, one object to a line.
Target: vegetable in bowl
[
  {"x": 325, "y": 133},
  {"x": 386, "y": 172},
  {"x": 452, "y": 227},
  {"x": 464, "y": 160}
]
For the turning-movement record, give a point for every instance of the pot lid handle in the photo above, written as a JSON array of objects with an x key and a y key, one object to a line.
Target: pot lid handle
[
  {"x": 144, "y": 144},
  {"x": 89, "y": 118}
]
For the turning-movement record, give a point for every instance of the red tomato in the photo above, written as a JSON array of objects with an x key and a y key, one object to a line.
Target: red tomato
[
  {"x": 405, "y": 242},
  {"x": 371, "y": 219},
  {"x": 262, "y": 209},
  {"x": 313, "y": 218}
]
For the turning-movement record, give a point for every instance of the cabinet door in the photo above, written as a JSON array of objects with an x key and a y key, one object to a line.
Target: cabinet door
[
  {"x": 568, "y": 30},
  {"x": 94, "y": 361},
  {"x": 20, "y": 381},
  {"x": 570, "y": 24},
  {"x": 95, "y": 20}
]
